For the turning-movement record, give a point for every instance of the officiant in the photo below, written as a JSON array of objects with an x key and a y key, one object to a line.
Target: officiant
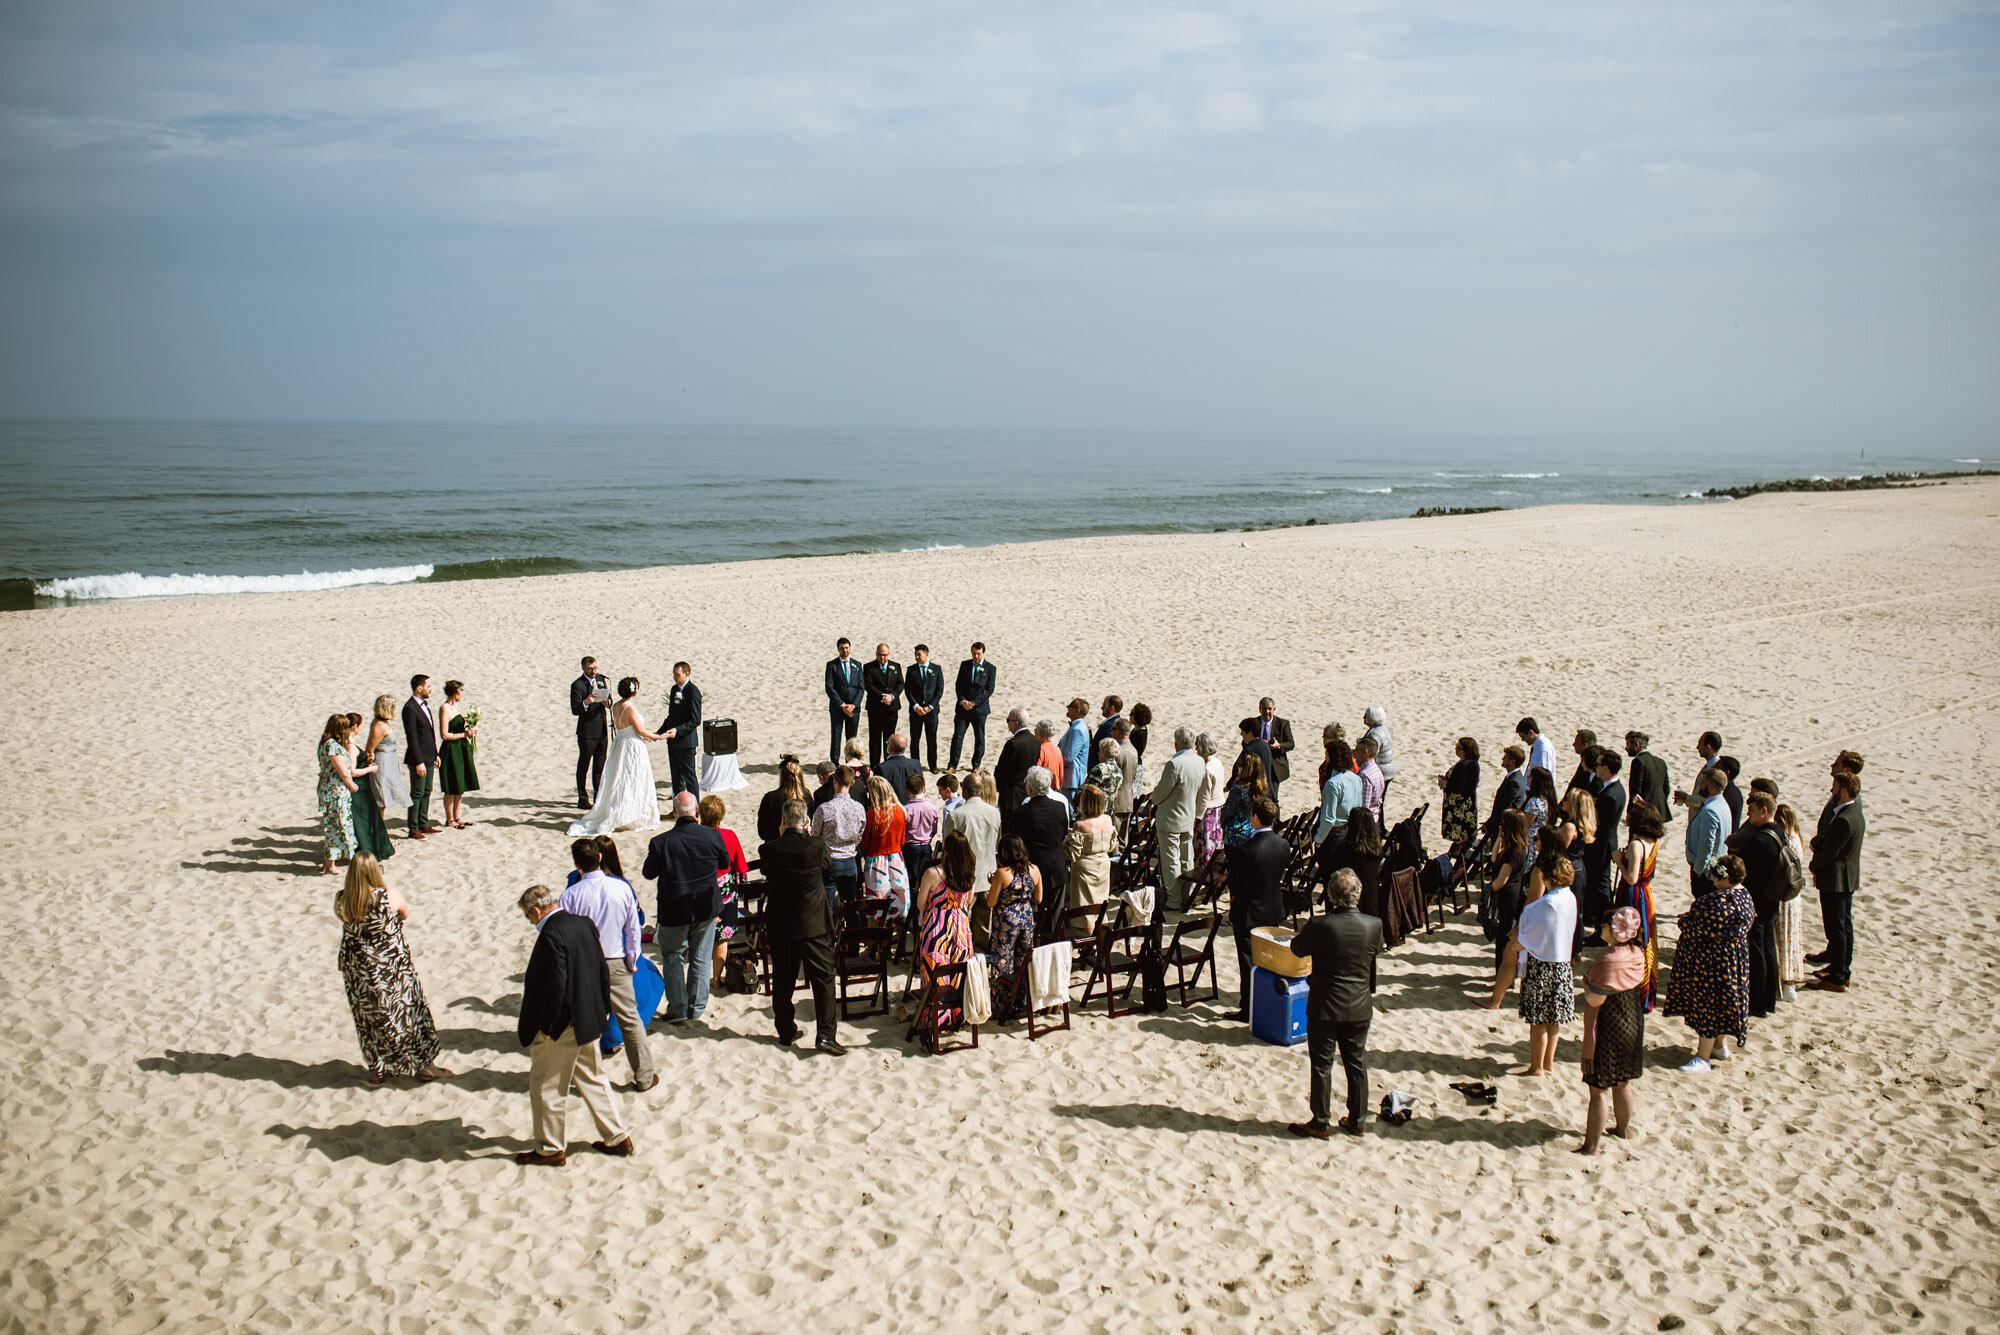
[
  {"x": 590, "y": 701},
  {"x": 682, "y": 730}
]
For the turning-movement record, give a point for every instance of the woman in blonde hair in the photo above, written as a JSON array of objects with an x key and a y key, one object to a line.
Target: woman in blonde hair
[
  {"x": 1791, "y": 931},
  {"x": 336, "y": 792},
  {"x": 371, "y": 829},
  {"x": 391, "y": 1017},
  {"x": 884, "y": 874},
  {"x": 392, "y": 789}
]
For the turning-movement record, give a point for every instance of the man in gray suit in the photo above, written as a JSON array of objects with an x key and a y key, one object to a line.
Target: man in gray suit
[
  {"x": 1343, "y": 945},
  {"x": 1174, "y": 815}
]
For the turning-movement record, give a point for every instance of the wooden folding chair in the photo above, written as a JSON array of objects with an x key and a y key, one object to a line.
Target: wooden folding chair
[
  {"x": 1210, "y": 882},
  {"x": 1028, "y": 1002},
  {"x": 863, "y": 958},
  {"x": 1182, "y": 953},
  {"x": 1117, "y": 953},
  {"x": 943, "y": 990}
]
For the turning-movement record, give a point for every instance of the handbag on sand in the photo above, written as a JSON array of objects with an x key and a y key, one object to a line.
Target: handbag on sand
[{"x": 1152, "y": 979}]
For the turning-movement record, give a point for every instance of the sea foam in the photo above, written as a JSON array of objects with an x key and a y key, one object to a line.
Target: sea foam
[{"x": 134, "y": 585}]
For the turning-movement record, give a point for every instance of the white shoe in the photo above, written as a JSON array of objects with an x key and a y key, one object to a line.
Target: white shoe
[
  {"x": 1721, "y": 1054},
  {"x": 1790, "y": 993},
  {"x": 1695, "y": 1066}
]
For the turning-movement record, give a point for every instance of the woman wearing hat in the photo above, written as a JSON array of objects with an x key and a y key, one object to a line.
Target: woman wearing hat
[{"x": 1614, "y": 1026}]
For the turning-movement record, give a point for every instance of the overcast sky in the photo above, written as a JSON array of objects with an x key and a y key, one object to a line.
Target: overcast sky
[{"x": 1776, "y": 221}]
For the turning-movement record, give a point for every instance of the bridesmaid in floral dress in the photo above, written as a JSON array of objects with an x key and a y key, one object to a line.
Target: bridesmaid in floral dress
[{"x": 336, "y": 793}]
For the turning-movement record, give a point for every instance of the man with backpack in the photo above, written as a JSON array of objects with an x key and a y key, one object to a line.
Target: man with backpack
[{"x": 1766, "y": 876}]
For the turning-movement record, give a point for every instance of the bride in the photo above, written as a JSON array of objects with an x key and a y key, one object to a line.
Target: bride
[{"x": 626, "y": 798}]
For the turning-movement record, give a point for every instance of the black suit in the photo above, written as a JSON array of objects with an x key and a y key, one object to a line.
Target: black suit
[
  {"x": 684, "y": 751},
  {"x": 843, "y": 687},
  {"x": 1598, "y": 862},
  {"x": 974, "y": 701},
  {"x": 1651, "y": 785},
  {"x": 897, "y": 770},
  {"x": 800, "y": 928},
  {"x": 1257, "y": 748},
  {"x": 567, "y": 983},
  {"x": 1511, "y": 795},
  {"x": 1762, "y": 854},
  {"x": 923, "y": 683},
  {"x": 880, "y": 679},
  {"x": 593, "y": 736},
  {"x": 1010, "y": 775},
  {"x": 419, "y": 748},
  {"x": 1099, "y": 738},
  {"x": 1280, "y": 743},
  {"x": 1836, "y": 874},
  {"x": 1043, "y": 824},
  {"x": 1343, "y": 946},
  {"x": 1255, "y": 897}
]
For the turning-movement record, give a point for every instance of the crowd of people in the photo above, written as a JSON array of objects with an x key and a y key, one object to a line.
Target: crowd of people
[{"x": 993, "y": 863}]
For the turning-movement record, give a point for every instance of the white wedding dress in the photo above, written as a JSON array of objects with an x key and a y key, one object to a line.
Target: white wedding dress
[{"x": 626, "y": 799}]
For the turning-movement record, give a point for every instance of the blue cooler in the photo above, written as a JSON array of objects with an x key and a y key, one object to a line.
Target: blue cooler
[{"x": 1278, "y": 1007}]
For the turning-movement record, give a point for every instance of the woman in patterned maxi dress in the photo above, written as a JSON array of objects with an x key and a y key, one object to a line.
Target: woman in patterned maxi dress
[
  {"x": 391, "y": 1017},
  {"x": 1012, "y": 893},
  {"x": 336, "y": 794}
]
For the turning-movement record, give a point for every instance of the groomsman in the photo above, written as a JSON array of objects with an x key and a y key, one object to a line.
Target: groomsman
[
  {"x": 975, "y": 701},
  {"x": 420, "y": 753},
  {"x": 682, "y": 729},
  {"x": 883, "y": 680},
  {"x": 923, "y": 683},
  {"x": 593, "y": 734},
  {"x": 844, "y": 694}
]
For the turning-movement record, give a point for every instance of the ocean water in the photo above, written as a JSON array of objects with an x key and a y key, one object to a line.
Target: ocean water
[{"x": 121, "y": 509}]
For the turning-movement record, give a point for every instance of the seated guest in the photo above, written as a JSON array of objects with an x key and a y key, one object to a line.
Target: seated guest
[
  {"x": 944, "y": 919},
  {"x": 791, "y": 788},
  {"x": 1342, "y": 945},
  {"x": 565, "y": 998},
  {"x": 1360, "y": 850},
  {"x": 841, "y": 821},
  {"x": 1461, "y": 795},
  {"x": 613, "y": 909},
  {"x": 1043, "y": 824},
  {"x": 711, "y": 811},
  {"x": 1373, "y": 785},
  {"x": 1012, "y": 892},
  {"x": 883, "y": 873},
  {"x": 921, "y": 821},
  {"x": 799, "y": 925},
  {"x": 1087, "y": 850},
  {"x": 1614, "y": 1026},
  {"x": 897, "y": 767},
  {"x": 1710, "y": 983},
  {"x": 1546, "y": 935},
  {"x": 1255, "y": 897}
]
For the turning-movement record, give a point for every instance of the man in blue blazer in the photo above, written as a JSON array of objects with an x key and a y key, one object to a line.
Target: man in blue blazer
[
  {"x": 844, "y": 694},
  {"x": 923, "y": 685},
  {"x": 975, "y": 702},
  {"x": 682, "y": 730}
]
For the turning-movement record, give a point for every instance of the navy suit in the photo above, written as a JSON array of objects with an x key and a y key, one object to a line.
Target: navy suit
[
  {"x": 923, "y": 685},
  {"x": 843, "y": 687},
  {"x": 684, "y": 751},
  {"x": 975, "y": 687}
]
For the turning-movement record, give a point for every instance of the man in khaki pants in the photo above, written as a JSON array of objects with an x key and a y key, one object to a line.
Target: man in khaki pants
[
  {"x": 614, "y": 910},
  {"x": 564, "y": 1003}
]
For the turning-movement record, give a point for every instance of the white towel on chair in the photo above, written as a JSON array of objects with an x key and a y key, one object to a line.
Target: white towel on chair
[
  {"x": 1048, "y": 975},
  {"x": 1138, "y": 906},
  {"x": 978, "y": 998}
]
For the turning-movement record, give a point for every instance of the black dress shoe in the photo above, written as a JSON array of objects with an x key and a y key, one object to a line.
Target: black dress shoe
[
  {"x": 1823, "y": 957},
  {"x": 1238, "y": 1016},
  {"x": 832, "y": 1048},
  {"x": 1311, "y": 1130},
  {"x": 582, "y": 805}
]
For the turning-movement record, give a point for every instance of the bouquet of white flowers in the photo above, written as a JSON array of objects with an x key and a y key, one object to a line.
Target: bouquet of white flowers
[{"x": 471, "y": 717}]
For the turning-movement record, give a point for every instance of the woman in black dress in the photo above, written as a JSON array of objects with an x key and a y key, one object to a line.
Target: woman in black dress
[
  {"x": 456, "y": 774},
  {"x": 1506, "y": 894},
  {"x": 1360, "y": 849},
  {"x": 1614, "y": 1027},
  {"x": 1461, "y": 795}
]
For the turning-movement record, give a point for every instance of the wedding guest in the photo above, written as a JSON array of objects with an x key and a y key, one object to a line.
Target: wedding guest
[
  {"x": 1256, "y": 898},
  {"x": 1547, "y": 937},
  {"x": 923, "y": 685},
  {"x": 1343, "y": 945},
  {"x": 858, "y": 772},
  {"x": 1835, "y": 868},
  {"x": 1087, "y": 851},
  {"x": 1050, "y": 757},
  {"x": 1731, "y": 794},
  {"x": 1339, "y": 797},
  {"x": 1636, "y": 864},
  {"x": 844, "y": 697},
  {"x": 1208, "y": 800},
  {"x": 1328, "y": 735},
  {"x": 791, "y": 788},
  {"x": 1042, "y": 822},
  {"x": 682, "y": 729},
  {"x": 922, "y": 820},
  {"x": 1253, "y": 745},
  {"x": 973, "y": 692},
  {"x": 1595, "y": 896},
  {"x": 1246, "y": 785},
  {"x": 798, "y": 922},
  {"x": 979, "y": 821},
  {"x": 684, "y": 859},
  {"x": 1176, "y": 805},
  {"x": 1374, "y": 787},
  {"x": 1275, "y": 733},
  {"x": 1761, "y": 847},
  {"x": 1586, "y": 771},
  {"x": 1127, "y": 796},
  {"x": 1385, "y": 750},
  {"x": 1075, "y": 747},
  {"x": 824, "y": 772},
  {"x": 712, "y": 811},
  {"x": 456, "y": 774},
  {"x": 1012, "y": 892},
  {"x": 1539, "y": 751},
  {"x": 898, "y": 768},
  {"x": 391, "y": 1018},
  {"x": 841, "y": 821},
  {"x": 1112, "y": 709},
  {"x": 1649, "y": 776},
  {"x": 944, "y": 921},
  {"x": 1710, "y": 983},
  {"x": 1708, "y": 829},
  {"x": 1614, "y": 1026},
  {"x": 1142, "y": 719},
  {"x": 371, "y": 834},
  {"x": 565, "y": 999},
  {"x": 949, "y": 797},
  {"x": 884, "y": 828},
  {"x": 1541, "y": 801},
  {"x": 336, "y": 793},
  {"x": 613, "y": 909},
  {"x": 1108, "y": 775},
  {"x": 420, "y": 753},
  {"x": 1017, "y": 757},
  {"x": 1506, "y": 893},
  {"x": 1512, "y": 789},
  {"x": 391, "y": 786},
  {"x": 1578, "y": 834},
  {"x": 1460, "y": 821},
  {"x": 1708, "y": 746},
  {"x": 1360, "y": 850},
  {"x": 590, "y": 701},
  {"x": 1791, "y": 932},
  {"x": 883, "y": 681}
]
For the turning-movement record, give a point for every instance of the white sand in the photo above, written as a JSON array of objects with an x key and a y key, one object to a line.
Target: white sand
[{"x": 189, "y": 1145}]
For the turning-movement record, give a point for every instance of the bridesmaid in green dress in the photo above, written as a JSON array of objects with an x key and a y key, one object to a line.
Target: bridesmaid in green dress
[
  {"x": 370, "y": 834},
  {"x": 456, "y": 775}
]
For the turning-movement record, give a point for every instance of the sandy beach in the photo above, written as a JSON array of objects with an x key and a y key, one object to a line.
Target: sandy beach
[{"x": 190, "y": 1145}]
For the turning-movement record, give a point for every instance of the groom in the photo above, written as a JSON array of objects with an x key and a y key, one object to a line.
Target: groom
[
  {"x": 593, "y": 735},
  {"x": 682, "y": 730}
]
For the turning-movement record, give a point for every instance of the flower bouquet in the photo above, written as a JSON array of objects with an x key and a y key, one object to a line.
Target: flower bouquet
[{"x": 471, "y": 717}]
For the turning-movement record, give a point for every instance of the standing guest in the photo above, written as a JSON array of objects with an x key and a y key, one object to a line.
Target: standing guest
[
  {"x": 613, "y": 910},
  {"x": 590, "y": 701},
  {"x": 1142, "y": 719},
  {"x": 1506, "y": 893},
  {"x": 391, "y": 1018},
  {"x": 898, "y": 768},
  {"x": 799, "y": 926},
  {"x": 1328, "y": 735},
  {"x": 457, "y": 775},
  {"x": 1042, "y": 822},
  {"x": 1836, "y": 874},
  {"x": 1541, "y": 803},
  {"x": 1127, "y": 796},
  {"x": 791, "y": 788},
  {"x": 857, "y": 769},
  {"x": 420, "y": 753},
  {"x": 944, "y": 920},
  {"x": 1761, "y": 847},
  {"x": 1108, "y": 774},
  {"x": 1017, "y": 757},
  {"x": 1649, "y": 777},
  {"x": 1512, "y": 789},
  {"x": 1636, "y": 863},
  {"x": 1275, "y": 733},
  {"x": 1087, "y": 853},
  {"x": 1547, "y": 937},
  {"x": 391, "y": 785},
  {"x": 1586, "y": 773},
  {"x": 1255, "y": 898},
  {"x": 883, "y": 680},
  {"x": 1339, "y": 797},
  {"x": 1791, "y": 916},
  {"x": 974, "y": 693},
  {"x": 1208, "y": 801},
  {"x": 712, "y": 811},
  {"x": 949, "y": 798},
  {"x": 841, "y": 821},
  {"x": 1374, "y": 787},
  {"x": 979, "y": 821},
  {"x": 844, "y": 697},
  {"x": 1246, "y": 785},
  {"x": 923, "y": 686},
  {"x": 1253, "y": 745},
  {"x": 1176, "y": 804},
  {"x": 1708, "y": 746},
  {"x": 371, "y": 834},
  {"x": 1708, "y": 829},
  {"x": 1075, "y": 747},
  {"x": 1614, "y": 1027},
  {"x": 921, "y": 822},
  {"x": 1385, "y": 750},
  {"x": 565, "y": 998},
  {"x": 1539, "y": 750},
  {"x": 1610, "y": 801},
  {"x": 1360, "y": 850},
  {"x": 824, "y": 770},
  {"x": 1577, "y": 834},
  {"x": 1012, "y": 892},
  {"x": 1050, "y": 757},
  {"x": 884, "y": 875},
  {"x": 682, "y": 729},
  {"x": 1112, "y": 709},
  {"x": 1710, "y": 984},
  {"x": 1460, "y": 821},
  {"x": 684, "y": 859},
  {"x": 1343, "y": 945},
  {"x": 1731, "y": 794},
  {"x": 336, "y": 793}
]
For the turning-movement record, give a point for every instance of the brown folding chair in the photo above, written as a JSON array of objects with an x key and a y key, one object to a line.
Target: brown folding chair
[
  {"x": 1117, "y": 954},
  {"x": 1028, "y": 1003},
  {"x": 1181, "y": 953},
  {"x": 863, "y": 958},
  {"x": 1210, "y": 882},
  {"x": 942, "y": 990}
]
